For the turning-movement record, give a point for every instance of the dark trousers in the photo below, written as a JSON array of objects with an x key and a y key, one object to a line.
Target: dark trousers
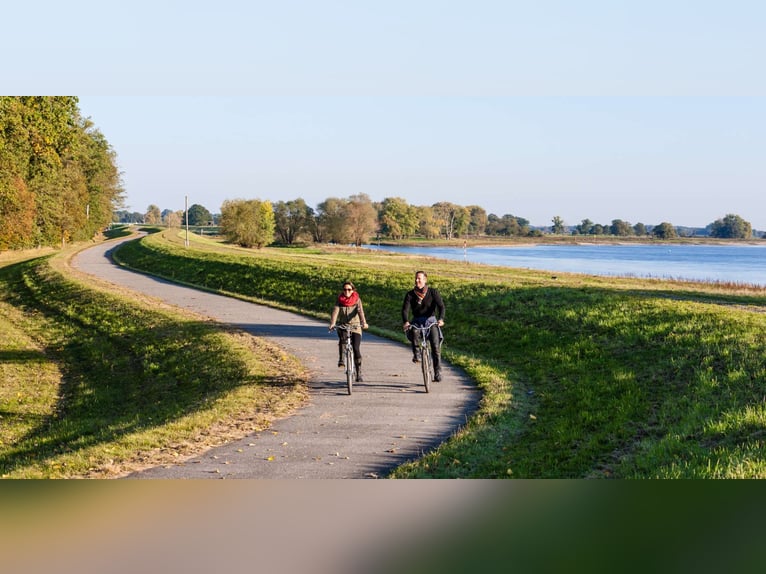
[{"x": 356, "y": 343}]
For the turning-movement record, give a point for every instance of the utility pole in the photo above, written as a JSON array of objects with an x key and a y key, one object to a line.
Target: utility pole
[{"x": 186, "y": 210}]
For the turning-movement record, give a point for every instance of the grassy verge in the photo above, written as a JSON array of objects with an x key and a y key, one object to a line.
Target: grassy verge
[
  {"x": 96, "y": 384},
  {"x": 582, "y": 376}
]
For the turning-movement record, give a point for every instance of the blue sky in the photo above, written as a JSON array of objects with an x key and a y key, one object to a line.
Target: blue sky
[{"x": 590, "y": 109}]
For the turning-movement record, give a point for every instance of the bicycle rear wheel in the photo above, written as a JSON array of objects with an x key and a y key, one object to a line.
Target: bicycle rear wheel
[
  {"x": 425, "y": 364},
  {"x": 350, "y": 368}
]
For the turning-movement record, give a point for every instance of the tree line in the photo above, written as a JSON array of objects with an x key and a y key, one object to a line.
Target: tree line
[
  {"x": 59, "y": 180},
  {"x": 357, "y": 219},
  {"x": 352, "y": 220},
  {"x": 731, "y": 226}
]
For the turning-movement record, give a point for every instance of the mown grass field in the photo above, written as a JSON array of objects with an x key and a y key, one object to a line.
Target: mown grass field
[
  {"x": 94, "y": 383},
  {"x": 582, "y": 376}
]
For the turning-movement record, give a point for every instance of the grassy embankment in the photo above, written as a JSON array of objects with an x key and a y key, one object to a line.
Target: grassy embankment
[
  {"x": 95, "y": 384},
  {"x": 582, "y": 376}
]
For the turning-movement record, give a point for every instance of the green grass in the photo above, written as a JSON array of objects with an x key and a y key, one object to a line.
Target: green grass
[
  {"x": 582, "y": 376},
  {"x": 95, "y": 383},
  {"x": 118, "y": 231}
]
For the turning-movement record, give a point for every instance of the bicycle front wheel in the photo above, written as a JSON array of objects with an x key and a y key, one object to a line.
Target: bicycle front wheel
[
  {"x": 350, "y": 369},
  {"x": 425, "y": 364}
]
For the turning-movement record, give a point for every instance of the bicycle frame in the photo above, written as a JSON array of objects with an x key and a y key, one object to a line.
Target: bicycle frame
[
  {"x": 348, "y": 352},
  {"x": 423, "y": 343}
]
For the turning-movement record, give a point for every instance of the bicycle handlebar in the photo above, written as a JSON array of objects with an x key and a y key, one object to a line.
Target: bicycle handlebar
[
  {"x": 423, "y": 327},
  {"x": 341, "y": 327}
]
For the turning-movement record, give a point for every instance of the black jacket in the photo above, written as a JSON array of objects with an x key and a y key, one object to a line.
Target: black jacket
[{"x": 431, "y": 305}]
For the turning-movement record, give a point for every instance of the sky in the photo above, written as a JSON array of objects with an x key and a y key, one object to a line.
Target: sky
[{"x": 590, "y": 109}]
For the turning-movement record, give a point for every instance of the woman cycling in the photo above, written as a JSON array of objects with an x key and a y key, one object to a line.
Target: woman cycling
[{"x": 348, "y": 310}]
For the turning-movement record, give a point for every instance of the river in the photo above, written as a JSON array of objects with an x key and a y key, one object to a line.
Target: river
[{"x": 744, "y": 264}]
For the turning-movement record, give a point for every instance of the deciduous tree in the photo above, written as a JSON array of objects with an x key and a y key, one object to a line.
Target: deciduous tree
[
  {"x": 398, "y": 219},
  {"x": 452, "y": 219},
  {"x": 174, "y": 219},
  {"x": 59, "y": 177},
  {"x": 664, "y": 230},
  {"x": 331, "y": 219},
  {"x": 199, "y": 215},
  {"x": 428, "y": 224},
  {"x": 153, "y": 215},
  {"x": 621, "y": 228},
  {"x": 584, "y": 228},
  {"x": 508, "y": 225},
  {"x": 292, "y": 220},
  {"x": 361, "y": 218},
  {"x": 477, "y": 220},
  {"x": 731, "y": 227},
  {"x": 249, "y": 223}
]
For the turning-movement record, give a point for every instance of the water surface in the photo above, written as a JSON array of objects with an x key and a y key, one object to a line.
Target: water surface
[{"x": 726, "y": 263}]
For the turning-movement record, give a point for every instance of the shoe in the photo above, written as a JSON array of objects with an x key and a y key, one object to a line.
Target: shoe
[
  {"x": 341, "y": 364},
  {"x": 438, "y": 376},
  {"x": 416, "y": 358},
  {"x": 359, "y": 378}
]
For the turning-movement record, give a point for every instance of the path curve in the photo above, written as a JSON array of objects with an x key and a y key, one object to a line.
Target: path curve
[{"x": 388, "y": 420}]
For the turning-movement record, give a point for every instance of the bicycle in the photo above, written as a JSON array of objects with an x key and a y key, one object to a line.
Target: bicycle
[
  {"x": 348, "y": 353},
  {"x": 423, "y": 345}
]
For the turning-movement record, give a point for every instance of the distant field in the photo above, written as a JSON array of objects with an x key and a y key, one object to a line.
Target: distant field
[{"x": 582, "y": 376}]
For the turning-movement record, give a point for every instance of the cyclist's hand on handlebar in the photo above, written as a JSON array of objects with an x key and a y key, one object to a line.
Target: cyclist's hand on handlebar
[
  {"x": 332, "y": 328},
  {"x": 406, "y": 326},
  {"x": 441, "y": 323},
  {"x": 365, "y": 326}
]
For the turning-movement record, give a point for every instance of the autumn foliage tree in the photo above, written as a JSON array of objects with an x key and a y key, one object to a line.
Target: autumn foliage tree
[
  {"x": 58, "y": 175},
  {"x": 397, "y": 218},
  {"x": 153, "y": 215},
  {"x": 247, "y": 222},
  {"x": 361, "y": 218},
  {"x": 17, "y": 211}
]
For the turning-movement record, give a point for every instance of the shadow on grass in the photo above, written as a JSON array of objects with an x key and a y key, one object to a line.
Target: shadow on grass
[
  {"x": 119, "y": 231},
  {"x": 22, "y": 356},
  {"x": 125, "y": 369}
]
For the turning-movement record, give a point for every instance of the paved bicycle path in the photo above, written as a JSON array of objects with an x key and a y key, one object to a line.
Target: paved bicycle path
[{"x": 388, "y": 420}]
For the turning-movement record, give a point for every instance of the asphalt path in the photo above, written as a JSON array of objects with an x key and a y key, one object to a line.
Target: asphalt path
[{"x": 387, "y": 420}]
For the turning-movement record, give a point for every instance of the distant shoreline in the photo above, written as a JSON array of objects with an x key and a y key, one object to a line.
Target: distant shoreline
[{"x": 560, "y": 240}]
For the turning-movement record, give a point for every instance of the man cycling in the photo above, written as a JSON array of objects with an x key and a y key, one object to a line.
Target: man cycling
[{"x": 427, "y": 309}]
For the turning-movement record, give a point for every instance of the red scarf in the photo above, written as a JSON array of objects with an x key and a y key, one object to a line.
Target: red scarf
[
  {"x": 421, "y": 293},
  {"x": 349, "y": 301}
]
